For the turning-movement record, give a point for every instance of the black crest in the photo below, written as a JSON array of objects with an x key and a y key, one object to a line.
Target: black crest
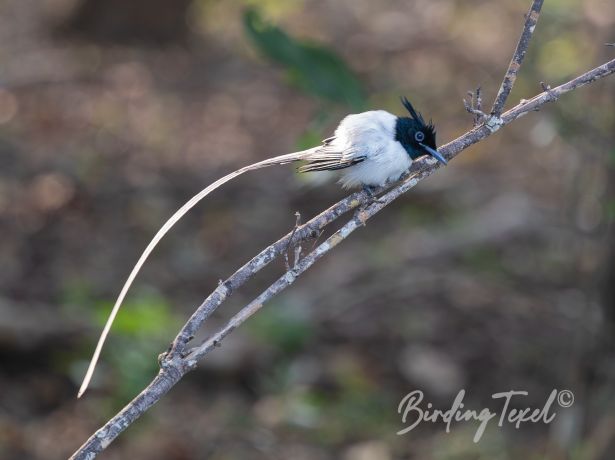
[
  {"x": 413, "y": 113},
  {"x": 416, "y": 116}
]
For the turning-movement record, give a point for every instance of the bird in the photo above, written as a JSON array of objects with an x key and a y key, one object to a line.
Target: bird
[{"x": 369, "y": 149}]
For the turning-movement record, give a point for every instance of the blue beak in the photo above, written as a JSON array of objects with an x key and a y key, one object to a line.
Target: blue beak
[{"x": 434, "y": 153}]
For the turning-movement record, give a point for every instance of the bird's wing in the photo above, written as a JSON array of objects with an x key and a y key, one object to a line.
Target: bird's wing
[{"x": 330, "y": 157}]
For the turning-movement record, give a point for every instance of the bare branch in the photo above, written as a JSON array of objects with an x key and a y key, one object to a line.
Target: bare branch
[
  {"x": 531, "y": 18},
  {"x": 555, "y": 93},
  {"x": 177, "y": 362},
  {"x": 310, "y": 230}
]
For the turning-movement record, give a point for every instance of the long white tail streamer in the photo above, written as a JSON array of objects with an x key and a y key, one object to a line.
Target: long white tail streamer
[{"x": 279, "y": 160}]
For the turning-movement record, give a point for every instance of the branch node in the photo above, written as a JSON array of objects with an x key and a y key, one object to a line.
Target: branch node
[
  {"x": 290, "y": 275},
  {"x": 547, "y": 89},
  {"x": 223, "y": 290},
  {"x": 494, "y": 123},
  {"x": 167, "y": 361}
]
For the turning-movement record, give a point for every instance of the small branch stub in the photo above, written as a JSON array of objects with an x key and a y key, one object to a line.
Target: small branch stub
[
  {"x": 494, "y": 123},
  {"x": 475, "y": 105}
]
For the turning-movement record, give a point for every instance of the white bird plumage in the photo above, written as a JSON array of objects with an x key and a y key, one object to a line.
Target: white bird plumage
[
  {"x": 370, "y": 136},
  {"x": 369, "y": 149}
]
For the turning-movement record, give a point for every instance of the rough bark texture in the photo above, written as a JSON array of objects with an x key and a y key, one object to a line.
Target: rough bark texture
[{"x": 179, "y": 359}]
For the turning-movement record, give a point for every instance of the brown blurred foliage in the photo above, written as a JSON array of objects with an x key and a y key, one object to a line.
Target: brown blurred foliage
[{"x": 495, "y": 274}]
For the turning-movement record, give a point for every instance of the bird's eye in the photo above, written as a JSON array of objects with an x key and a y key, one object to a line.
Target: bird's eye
[{"x": 419, "y": 136}]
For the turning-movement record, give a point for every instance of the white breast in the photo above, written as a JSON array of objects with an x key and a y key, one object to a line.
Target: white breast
[{"x": 371, "y": 134}]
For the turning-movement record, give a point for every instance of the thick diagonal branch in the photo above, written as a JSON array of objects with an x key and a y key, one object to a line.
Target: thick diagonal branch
[{"x": 179, "y": 361}]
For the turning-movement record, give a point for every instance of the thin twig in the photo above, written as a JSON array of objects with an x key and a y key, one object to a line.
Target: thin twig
[
  {"x": 479, "y": 98},
  {"x": 515, "y": 63},
  {"x": 297, "y": 256},
  {"x": 290, "y": 240},
  {"x": 475, "y": 105},
  {"x": 178, "y": 362}
]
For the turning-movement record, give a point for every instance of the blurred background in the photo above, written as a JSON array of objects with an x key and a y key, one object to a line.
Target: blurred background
[{"x": 497, "y": 273}]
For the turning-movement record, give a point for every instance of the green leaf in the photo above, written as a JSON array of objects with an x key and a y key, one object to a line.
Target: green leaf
[
  {"x": 312, "y": 67},
  {"x": 140, "y": 332},
  {"x": 147, "y": 315},
  {"x": 281, "y": 328}
]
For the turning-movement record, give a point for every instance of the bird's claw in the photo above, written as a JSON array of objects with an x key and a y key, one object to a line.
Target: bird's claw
[{"x": 371, "y": 194}]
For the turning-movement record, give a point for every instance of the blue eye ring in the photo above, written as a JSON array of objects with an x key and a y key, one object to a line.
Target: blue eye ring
[{"x": 419, "y": 136}]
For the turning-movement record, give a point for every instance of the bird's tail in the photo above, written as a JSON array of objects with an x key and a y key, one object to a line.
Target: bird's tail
[{"x": 279, "y": 160}]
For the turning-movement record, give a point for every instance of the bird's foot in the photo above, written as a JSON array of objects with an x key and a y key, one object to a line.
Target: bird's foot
[{"x": 371, "y": 194}]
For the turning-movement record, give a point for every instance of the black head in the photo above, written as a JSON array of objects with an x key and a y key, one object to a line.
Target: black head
[{"x": 416, "y": 136}]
